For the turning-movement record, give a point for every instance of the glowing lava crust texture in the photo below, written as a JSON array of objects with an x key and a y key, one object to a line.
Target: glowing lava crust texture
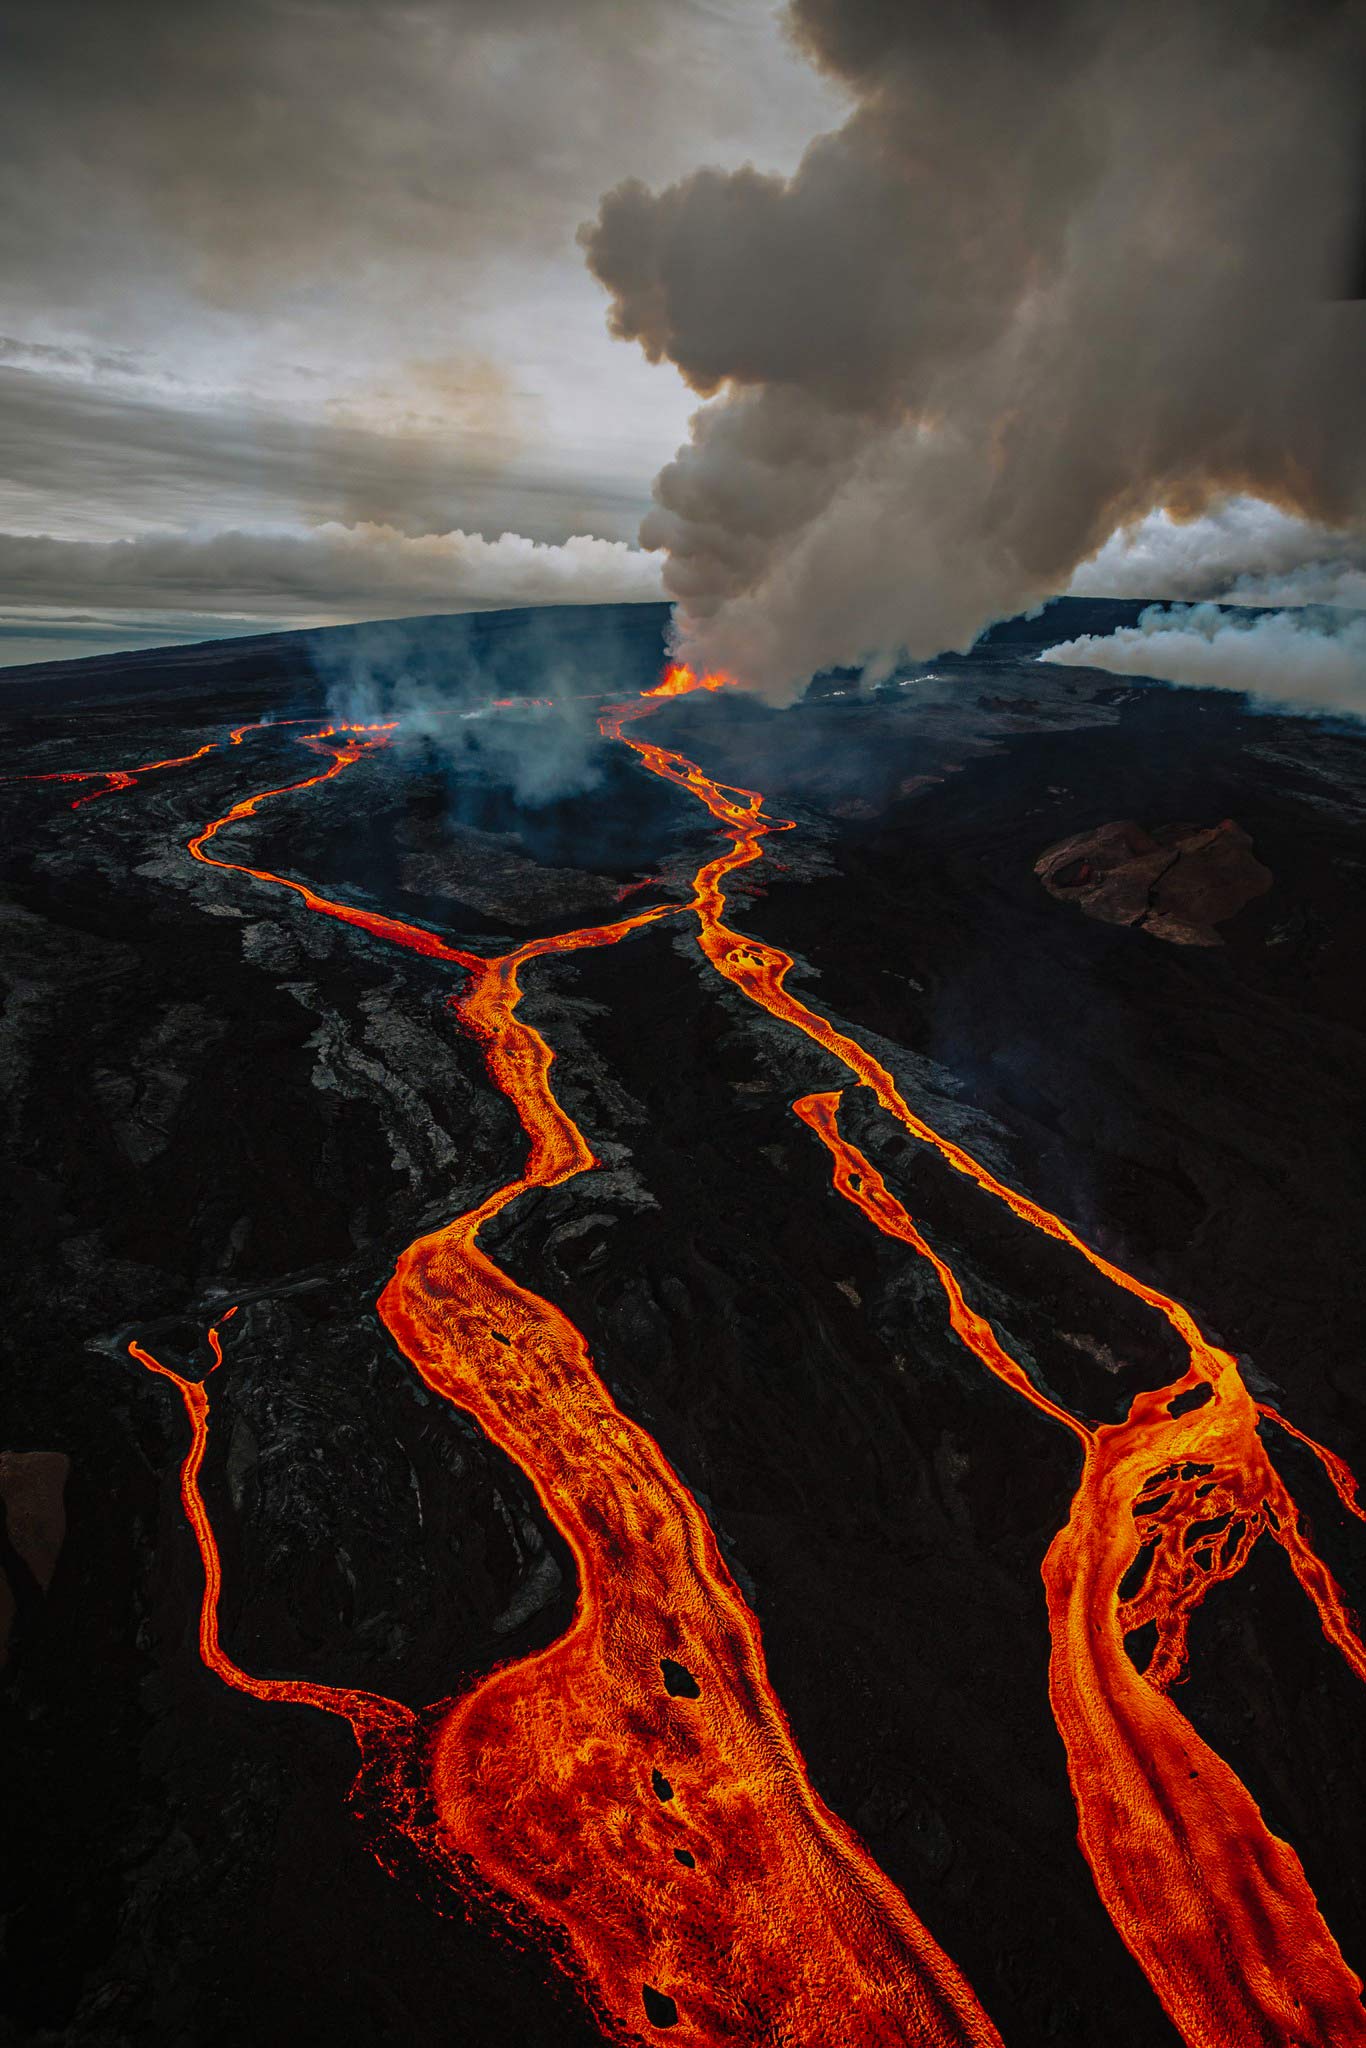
[{"x": 633, "y": 1793}]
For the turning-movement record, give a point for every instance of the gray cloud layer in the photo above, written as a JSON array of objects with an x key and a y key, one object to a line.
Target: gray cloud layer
[
  {"x": 311, "y": 263},
  {"x": 334, "y": 571},
  {"x": 115, "y": 449},
  {"x": 259, "y": 144},
  {"x": 1062, "y": 265}
]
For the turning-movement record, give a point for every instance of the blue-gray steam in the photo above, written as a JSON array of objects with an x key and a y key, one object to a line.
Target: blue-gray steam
[{"x": 511, "y": 697}]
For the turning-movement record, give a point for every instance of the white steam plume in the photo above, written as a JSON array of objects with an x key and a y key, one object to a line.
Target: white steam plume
[
  {"x": 1308, "y": 660},
  {"x": 1244, "y": 552}
]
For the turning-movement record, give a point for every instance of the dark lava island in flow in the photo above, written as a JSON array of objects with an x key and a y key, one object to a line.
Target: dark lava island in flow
[{"x": 858, "y": 1441}]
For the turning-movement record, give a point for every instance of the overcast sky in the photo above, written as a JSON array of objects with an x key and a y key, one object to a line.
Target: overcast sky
[
  {"x": 305, "y": 271},
  {"x": 297, "y": 326}
]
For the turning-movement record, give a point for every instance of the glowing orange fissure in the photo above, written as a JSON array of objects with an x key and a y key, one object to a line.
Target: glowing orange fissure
[
  {"x": 366, "y": 1712},
  {"x": 634, "y": 1787},
  {"x": 124, "y": 778},
  {"x": 678, "y": 681},
  {"x": 1214, "y": 1907}
]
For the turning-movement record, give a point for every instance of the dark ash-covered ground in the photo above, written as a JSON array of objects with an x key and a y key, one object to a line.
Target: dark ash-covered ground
[{"x": 211, "y": 1095}]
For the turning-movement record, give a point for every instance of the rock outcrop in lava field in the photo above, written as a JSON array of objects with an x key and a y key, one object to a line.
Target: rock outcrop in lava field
[{"x": 1177, "y": 882}]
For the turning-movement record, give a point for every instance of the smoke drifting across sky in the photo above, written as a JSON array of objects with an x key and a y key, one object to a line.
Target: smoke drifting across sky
[
  {"x": 1308, "y": 659},
  {"x": 1063, "y": 265}
]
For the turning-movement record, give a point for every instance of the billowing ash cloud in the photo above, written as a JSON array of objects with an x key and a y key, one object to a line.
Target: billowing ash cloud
[
  {"x": 1062, "y": 265},
  {"x": 1308, "y": 659}
]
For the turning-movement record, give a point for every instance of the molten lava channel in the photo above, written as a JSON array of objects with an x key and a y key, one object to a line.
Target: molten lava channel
[
  {"x": 1214, "y": 1907},
  {"x": 634, "y": 1788}
]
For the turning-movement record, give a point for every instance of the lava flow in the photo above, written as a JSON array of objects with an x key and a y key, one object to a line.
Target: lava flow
[
  {"x": 367, "y": 1712},
  {"x": 635, "y": 1787},
  {"x": 1214, "y": 1907},
  {"x": 113, "y": 779}
]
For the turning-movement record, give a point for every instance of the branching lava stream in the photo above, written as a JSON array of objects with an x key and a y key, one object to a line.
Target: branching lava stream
[
  {"x": 1214, "y": 1907},
  {"x": 634, "y": 1788}
]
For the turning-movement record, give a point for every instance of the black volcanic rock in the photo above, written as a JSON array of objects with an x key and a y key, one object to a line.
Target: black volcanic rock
[
  {"x": 32, "y": 1531},
  {"x": 211, "y": 1096}
]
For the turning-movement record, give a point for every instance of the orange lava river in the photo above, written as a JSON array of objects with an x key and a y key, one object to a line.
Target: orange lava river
[{"x": 633, "y": 1792}]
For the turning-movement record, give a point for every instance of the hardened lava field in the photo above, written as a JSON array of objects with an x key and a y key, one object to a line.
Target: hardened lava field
[{"x": 779, "y": 1577}]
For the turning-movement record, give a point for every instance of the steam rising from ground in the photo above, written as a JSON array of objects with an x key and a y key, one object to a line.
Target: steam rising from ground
[
  {"x": 508, "y": 702},
  {"x": 1303, "y": 659},
  {"x": 1063, "y": 265}
]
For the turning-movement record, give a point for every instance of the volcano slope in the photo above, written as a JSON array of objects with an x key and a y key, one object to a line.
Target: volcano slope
[{"x": 216, "y": 1096}]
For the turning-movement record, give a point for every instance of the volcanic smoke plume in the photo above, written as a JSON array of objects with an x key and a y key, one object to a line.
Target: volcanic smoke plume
[{"x": 1062, "y": 264}]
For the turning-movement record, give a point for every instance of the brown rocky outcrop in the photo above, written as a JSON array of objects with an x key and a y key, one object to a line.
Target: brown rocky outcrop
[
  {"x": 1177, "y": 882},
  {"x": 32, "y": 1490}
]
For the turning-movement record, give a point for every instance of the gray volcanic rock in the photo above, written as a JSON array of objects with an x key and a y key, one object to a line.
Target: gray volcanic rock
[
  {"x": 1177, "y": 882},
  {"x": 489, "y": 872}
]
